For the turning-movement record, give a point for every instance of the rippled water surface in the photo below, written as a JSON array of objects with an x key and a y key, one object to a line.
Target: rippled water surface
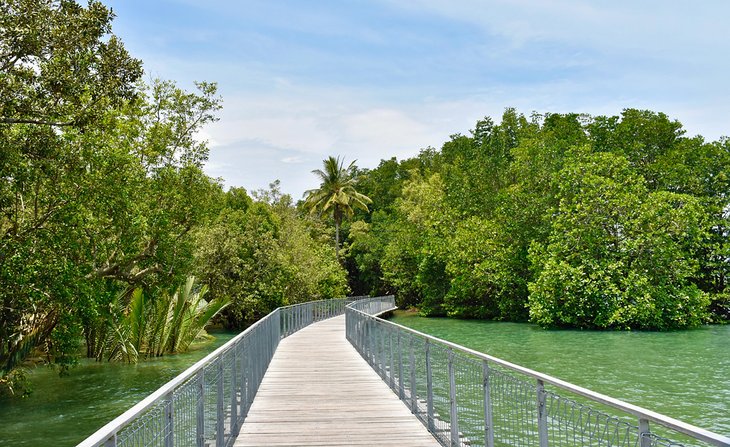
[
  {"x": 683, "y": 374},
  {"x": 63, "y": 411}
]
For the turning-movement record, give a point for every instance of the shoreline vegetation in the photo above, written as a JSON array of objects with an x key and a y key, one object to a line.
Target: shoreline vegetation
[
  {"x": 564, "y": 220},
  {"x": 106, "y": 212}
]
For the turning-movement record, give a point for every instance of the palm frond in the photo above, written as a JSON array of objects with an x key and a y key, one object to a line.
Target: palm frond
[
  {"x": 336, "y": 193},
  {"x": 136, "y": 318}
]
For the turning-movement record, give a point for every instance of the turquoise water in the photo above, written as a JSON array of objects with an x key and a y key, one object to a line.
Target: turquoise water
[
  {"x": 683, "y": 374},
  {"x": 63, "y": 411}
]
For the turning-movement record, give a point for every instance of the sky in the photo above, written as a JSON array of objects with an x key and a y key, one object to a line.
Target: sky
[{"x": 371, "y": 80}]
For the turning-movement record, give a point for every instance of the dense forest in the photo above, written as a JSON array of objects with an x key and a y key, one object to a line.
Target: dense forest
[
  {"x": 565, "y": 220},
  {"x": 114, "y": 243}
]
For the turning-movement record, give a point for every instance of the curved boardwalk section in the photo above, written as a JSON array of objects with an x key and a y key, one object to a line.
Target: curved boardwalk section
[{"x": 318, "y": 391}]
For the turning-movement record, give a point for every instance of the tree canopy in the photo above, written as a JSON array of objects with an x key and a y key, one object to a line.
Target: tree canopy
[
  {"x": 103, "y": 200},
  {"x": 566, "y": 220}
]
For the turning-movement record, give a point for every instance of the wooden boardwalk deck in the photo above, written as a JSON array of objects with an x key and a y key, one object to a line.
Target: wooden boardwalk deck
[{"x": 318, "y": 391}]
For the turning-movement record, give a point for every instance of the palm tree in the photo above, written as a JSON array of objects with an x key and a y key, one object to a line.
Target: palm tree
[{"x": 336, "y": 194}]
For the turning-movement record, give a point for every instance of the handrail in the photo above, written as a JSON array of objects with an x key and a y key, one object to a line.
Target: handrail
[
  {"x": 107, "y": 431},
  {"x": 209, "y": 400},
  {"x": 368, "y": 334}
]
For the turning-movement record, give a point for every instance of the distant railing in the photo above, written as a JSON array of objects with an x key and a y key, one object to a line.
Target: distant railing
[
  {"x": 207, "y": 404},
  {"x": 467, "y": 398}
]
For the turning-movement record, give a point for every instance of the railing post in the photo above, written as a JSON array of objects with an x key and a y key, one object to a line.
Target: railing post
[
  {"x": 414, "y": 402},
  {"x": 362, "y": 321},
  {"x": 277, "y": 337},
  {"x": 200, "y": 409},
  {"x": 249, "y": 375},
  {"x": 234, "y": 393},
  {"x": 242, "y": 383},
  {"x": 488, "y": 418},
  {"x": 542, "y": 428},
  {"x": 429, "y": 389},
  {"x": 392, "y": 362},
  {"x": 371, "y": 342},
  {"x": 256, "y": 361},
  {"x": 111, "y": 442},
  {"x": 401, "y": 390},
  {"x": 452, "y": 401},
  {"x": 644, "y": 439},
  {"x": 381, "y": 337},
  {"x": 169, "y": 421},
  {"x": 364, "y": 337},
  {"x": 219, "y": 438}
]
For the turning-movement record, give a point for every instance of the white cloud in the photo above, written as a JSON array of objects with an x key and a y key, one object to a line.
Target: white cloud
[
  {"x": 285, "y": 135},
  {"x": 365, "y": 89}
]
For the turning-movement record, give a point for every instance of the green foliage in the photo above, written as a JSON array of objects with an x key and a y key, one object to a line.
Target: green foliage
[
  {"x": 336, "y": 194},
  {"x": 262, "y": 256},
  {"x": 566, "y": 219},
  {"x": 480, "y": 265},
  {"x": 152, "y": 325},
  {"x": 60, "y": 64},
  {"x": 102, "y": 190},
  {"x": 618, "y": 255},
  {"x": 62, "y": 75}
]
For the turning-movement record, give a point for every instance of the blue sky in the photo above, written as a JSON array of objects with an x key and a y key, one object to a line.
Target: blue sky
[{"x": 374, "y": 79}]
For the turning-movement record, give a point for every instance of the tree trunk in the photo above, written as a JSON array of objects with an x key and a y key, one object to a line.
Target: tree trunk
[
  {"x": 337, "y": 240},
  {"x": 337, "y": 216}
]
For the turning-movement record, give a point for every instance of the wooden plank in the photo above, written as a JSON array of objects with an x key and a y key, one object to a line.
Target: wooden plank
[{"x": 318, "y": 391}]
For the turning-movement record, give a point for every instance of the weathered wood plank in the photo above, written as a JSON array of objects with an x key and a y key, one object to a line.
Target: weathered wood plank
[{"x": 318, "y": 391}]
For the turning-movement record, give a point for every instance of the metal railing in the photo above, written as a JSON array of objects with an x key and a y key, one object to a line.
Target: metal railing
[
  {"x": 207, "y": 404},
  {"x": 467, "y": 398}
]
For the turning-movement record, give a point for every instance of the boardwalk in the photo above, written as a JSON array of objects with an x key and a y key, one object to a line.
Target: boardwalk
[{"x": 319, "y": 391}]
